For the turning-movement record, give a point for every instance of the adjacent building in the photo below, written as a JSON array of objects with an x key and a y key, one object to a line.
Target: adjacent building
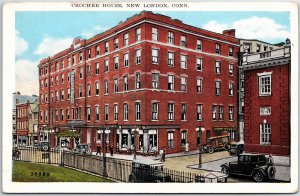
[
  {"x": 249, "y": 46},
  {"x": 151, "y": 73},
  {"x": 267, "y": 101},
  {"x": 27, "y": 123}
]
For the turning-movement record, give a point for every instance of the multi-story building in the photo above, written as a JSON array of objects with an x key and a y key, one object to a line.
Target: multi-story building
[
  {"x": 267, "y": 101},
  {"x": 248, "y": 46},
  {"x": 171, "y": 80},
  {"x": 27, "y": 123},
  {"x": 18, "y": 99}
]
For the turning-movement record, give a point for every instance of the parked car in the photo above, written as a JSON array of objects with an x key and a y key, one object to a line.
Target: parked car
[
  {"x": 148, "y": 170},
  {"x": 235, "y": 148},
  {"x": 257, "y": 166},
  {"x": 216, "y": 143},
  {"x": 82, "y": 149},
  {"x": 44, "y": 146}
]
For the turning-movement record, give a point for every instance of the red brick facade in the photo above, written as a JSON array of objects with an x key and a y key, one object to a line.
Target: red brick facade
[
  {"x": 277, "y": 116},
  {"x": 144, "y": 92}
]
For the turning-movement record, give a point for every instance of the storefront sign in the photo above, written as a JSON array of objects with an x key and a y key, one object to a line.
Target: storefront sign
[
  {"x": 265, "y": 111},
  {"x": 72, "y": 76},
  {"x": 224, "y": 129}
]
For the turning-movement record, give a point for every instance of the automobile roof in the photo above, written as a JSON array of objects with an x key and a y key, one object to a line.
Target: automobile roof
[{"x": 148, "y": 161}]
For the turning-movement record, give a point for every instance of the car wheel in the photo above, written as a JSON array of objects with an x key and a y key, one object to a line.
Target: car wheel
[
  {"x": 225, "y": 170},
  {"x": 226, "y": 147},
  {"x": 45, "y": 148},
  {"x": 210, "y": 150},
  {"x": 258, "y": 176},
  {"x": 131, "y": 178},
  {"x": 271, "y": 172},
  {"x": 237, "y": 152}
]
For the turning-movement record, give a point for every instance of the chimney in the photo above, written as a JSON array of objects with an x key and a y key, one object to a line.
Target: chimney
[{"x": 230, "y": 32}]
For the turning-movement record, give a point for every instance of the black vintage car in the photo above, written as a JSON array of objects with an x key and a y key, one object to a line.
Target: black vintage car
[
  {"x": 257, "y": 166},
  {"x": 235, "y": 148},
  {"x": 148, "y": 170}
]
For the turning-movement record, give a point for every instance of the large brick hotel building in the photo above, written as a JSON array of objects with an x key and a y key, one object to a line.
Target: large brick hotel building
[{"x": 149, "y": 72}]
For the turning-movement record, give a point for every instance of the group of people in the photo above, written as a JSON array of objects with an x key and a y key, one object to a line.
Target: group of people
[{"x": 111, "y": 150}]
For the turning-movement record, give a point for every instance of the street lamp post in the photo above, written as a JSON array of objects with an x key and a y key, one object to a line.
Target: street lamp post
[
  {"x": 134, "y": 149},
  {"x": 200, "y": 129},
  {"x": 103, "y": 132}
]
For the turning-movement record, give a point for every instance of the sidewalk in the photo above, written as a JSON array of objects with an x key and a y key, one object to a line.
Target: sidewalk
[
  {"x": 281, "y": 163},
  {"x": 127, "y": 157}
]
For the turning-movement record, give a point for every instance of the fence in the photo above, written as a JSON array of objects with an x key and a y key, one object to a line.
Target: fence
[
  {"x": 36, "y": 155},
  {"x": 116, "y": 169}
]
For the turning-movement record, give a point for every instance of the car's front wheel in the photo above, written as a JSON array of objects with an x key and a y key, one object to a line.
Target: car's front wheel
[
  {"x": 258, "y": 176},
  {"x": 225, "y": 170},
  {"x": 210, "y": 150},
  {"x": 271, "y": 172},
  {"x": 131, "y": 178}
]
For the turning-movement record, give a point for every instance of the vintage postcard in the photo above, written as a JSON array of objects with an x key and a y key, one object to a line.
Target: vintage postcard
[{"x": 150, "y": 97}]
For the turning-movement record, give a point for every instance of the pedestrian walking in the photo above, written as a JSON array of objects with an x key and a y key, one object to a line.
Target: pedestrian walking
[
  {"x": 163, "y": 156},
  {"x": 98, "y": 149},
  {"x": 111, "y": 149}
]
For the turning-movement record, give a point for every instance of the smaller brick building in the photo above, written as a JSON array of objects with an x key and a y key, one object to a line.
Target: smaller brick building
[{"x": 267, "y": 101}]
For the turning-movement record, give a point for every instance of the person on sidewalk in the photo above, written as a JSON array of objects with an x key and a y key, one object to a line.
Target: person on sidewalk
[
  {"x": 111, "y": 149},
  {"x": 98, "y": 149},
  {"x": 163, "y": 156}
]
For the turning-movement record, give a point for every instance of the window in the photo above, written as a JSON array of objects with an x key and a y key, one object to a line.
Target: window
[
  {"x": 68, "y": 114},
  {"x": 88, "y": 53},
  {"x": 231, "y": 69},
  {"x": 52, "y": 97},
  {"x": 73, "y": 62},
  {"x": 106, "y": 46},
  {"x": 171, "y": 111},
  {"x": 231, "y": 113},
  {"x": 183, "y": 137},
  {"x": 198, "y": 64},
  {"x": 125, "y": 111},
  {"x": 230, "y": 53},
  {"x": 56, "y": 115},
  {"x": 154, "y": 34},
  {"x": 69, "y": 63},
  {"x": 62, "y": 78},
  {"x": 97, "y": 116},
  {"x": 137, "y": 80},
  {"x": 106, "y": 112},
  {"x": 116, "y": 43},
  {"x": 98, "y": 50},
  {"x": 61, "y": 115},
  {"x": 46, "y": 97},
  {"x": 137, "y": 111},
  {"x": 230, "y": 88},
  {"x": 155, "y": 56},
  {"x": 183, "y": 41},
  {"x": 125, "y": 81},
  {"x": 57, "y": 95},
  {"x": 170, "y": 37},
  {"x": 171, "y": 59},
  {"x": 80, "y": 57},
  {"x": 170, "y": 139},
  {"x": 155, "y": 80},
  {"x": 97, "y": 68},
  {"x": 69, "y": 94},
  {"x": 56, "y": 80},
  {"x": 171, "y": 82},
  {"x": 218, "y": 67},
  {"x": 126, "y": 60},
  {"x": 199, "y": 85},
  {"x": 106, "y": 64},
  {"x": 218, "y": 50},
  {"x": 183, "y": 61},
  {"x": 199, "y": 112},
  {"x": 221, "y": 111},
  {"x": 69, "y": 77},
  {"x": 105, "y": 87},
  {"x": 155, "y": 111},
  {"x": 46, "y": 82},
  {"x": 138, "y": 56},
  {"x": 89, "y": 70},
  {"x": 80, "y": 91},
  {"x": 214, "y": 112},
  {"x": 51, "y": 81},
  {"x": 116, "y": 112},
  {"x": 265, "y": 85},
  {"x": 116, "y": 62},
  {"x": 116, "y": 85},
  {"x": 80, "y": 72},
  {"x": 138, "y": 34},
  {"x": 183, "y": 111},
  {"x": 258, "y": 48},
  {"x": 97, "y": 88},
  {"x": 88, "y": 90},
  {"x": 265, "y": 134},
  {"x": 199, "y": 45},
  {"x": 218, "y": 87},
  {"x": 88, "y": 113},
  {"x": 183, "y": 84},
  {"x": 126, "y": 39},
  {"x": 62, "y": 95}
]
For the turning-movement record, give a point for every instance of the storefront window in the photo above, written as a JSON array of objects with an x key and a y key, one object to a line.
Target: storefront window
[
  {"x": 124, "y": 140},
  {"x": 152, "y": 138}
]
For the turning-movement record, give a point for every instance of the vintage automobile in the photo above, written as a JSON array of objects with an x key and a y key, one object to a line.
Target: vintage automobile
[
  {"x": 216, "y": 143},
  {"x": 235, "y": 148},
  {"x": 148, "y": 170},
  {"x": 257, "y": 166},
  {"x": 82, "y": 149}
]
